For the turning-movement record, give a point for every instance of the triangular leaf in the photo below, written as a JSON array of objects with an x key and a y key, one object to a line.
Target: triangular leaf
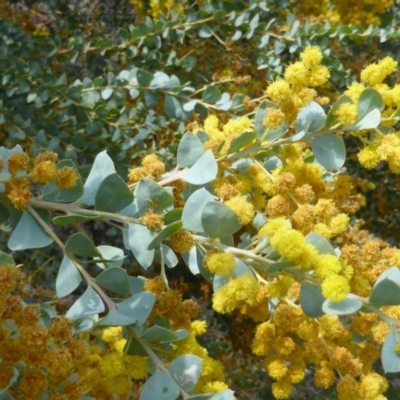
[
  {"x": 68, "y": 277},
  {"x": 113, "y": 194},
  {"x": 28, "y": 234},
  {"x": 203, "y": 171},
  {"x": 101, "y": 168}
]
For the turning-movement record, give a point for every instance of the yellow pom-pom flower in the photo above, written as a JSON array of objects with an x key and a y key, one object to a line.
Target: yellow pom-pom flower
[
  {"x": 221, "y": 264},
  {"x": 243, "y": 209},
  {"x": 335, "y": 288}
]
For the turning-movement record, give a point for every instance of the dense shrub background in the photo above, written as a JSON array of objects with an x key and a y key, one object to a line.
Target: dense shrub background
[{"x": 131, "y": 79}]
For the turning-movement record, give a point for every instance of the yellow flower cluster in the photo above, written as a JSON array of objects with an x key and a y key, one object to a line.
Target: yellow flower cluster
[
  {"x": 360, "y": 12},
  {"x": 181, "y": 241},
  {"x": 42, "y": 170},
  {"x": 223, "y": 136},
  {"x": 346, "y": 12},
  {"x": 51, "y": 358},
  {"x": 152, "y": 167},
  {"x": 295, "y": 90},
  {"x": 119, "y": 368},
  {"x": 179, "y": 313},
  {"x": 384, "y": 148},
  {"x": 378, "y": 147},
  {"x": 292, "y": 246},
  {"x": 239, "y": 290},
  {"x": 157, "y": 7},
  {"x": 297, "y": 191},
  {"x": 289, "y": 339},
  {"x": 221, "y": 264},
  {"x": 212, "y": 377}
]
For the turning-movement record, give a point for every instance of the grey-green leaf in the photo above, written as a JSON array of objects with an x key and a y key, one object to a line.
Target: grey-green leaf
[
  {"x": 224, "y": 395},
  {"x": 190, "y": 149},
  {"x": 203, "y": 171},
  {"x": 350, "y": 305},
  {"x": 386, "y": 291},
  {"x": 137, "y": 306},
  {"x": 186, "y": 370},
  {"x": 329, "y": 150},
  {"x": 311, "y": 300},
  {"x": 311, "y": 118},
  {"x": 158, "y": 334},
  {"x": 218, "y": 220},
  {"x": 113, "y": 194},
  {"x": 241, "y": 141},
  {"x": 323, "y": 245},
  {"x": 115, "y": 280},
  {"x": 370, "y": 121},
  {"x": 369, "y": 100},
  {"x": 88, "y": 304},
  {"x": 101, "y": 168},
  {"x": 170, "y": 259},
  {"x": 390, "y": 359},
  {"x": 114, "y": 256},
  {"x": 211, "y": 94},
  {"x": 191, "y": 216},
  {"x": 150, "y": 195},
  {"x": 114, "y": 318},
  {"x": 80, "y": 245},
  {"x": 160, "y": 386},
  {"x": 139, "y": 238},
  {"x": 165, "y": 233},
  {"x": 68, "y": 278},
  {"x": 28, "y": 234}
]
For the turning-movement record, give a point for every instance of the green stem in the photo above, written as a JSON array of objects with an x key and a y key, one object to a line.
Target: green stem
[
  {"x": 233, "y": 250},
  {"x": 162, "y": 262},
  {"x": 72, "y": 208},
  {"x": 88, "y": 278}
]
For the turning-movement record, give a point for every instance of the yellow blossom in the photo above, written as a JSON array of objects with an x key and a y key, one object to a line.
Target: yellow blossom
[
  {"x": 19, "y": 192},
  {"x": 136, "y": 367},
  {"x": 112, "y": 334},
  {"x": 241, "y": 289},
  {"x": 277, "y": 369},
  {"x": 326, "y": 265},
  {"x": 261, "y": 344},
  {"x": 368, "y": 157},
  {"x": 324, "y": 378},
  {"x": 211, "y": 127},
  {"x": 347, "y": 388},
  {"x": 66, "y": 177},
  {"x": 346, "y": 113},
  {"x": 282, "y": 389},
  {"x": 181, "y": 241},
  {"x": 319, "y": 76},
  {"x": 198, "y": 327},
  {"x": 33, "y": 384},
  {"x": 297, "y": 74},
  {"x": 152, "y": 220},
  {"x": 18, "y": 162},
  {"x": 155, "y": 285},
  {"x": 44, "y": 172},
  {"x": 311, "y": 56},
  {"x": 8, "y": 279},
  {"x": 243, "y": 209},
  {"x": 375, "y": 73},
  {"x": 335, "y": 288},
  {"x": 153, "y": 167},
  {"x": 46, "y": 156},
  {"x": 221, "y": 264},
  {"x": 274, "y": 118},
  {"x": 278, "y": 90}
]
